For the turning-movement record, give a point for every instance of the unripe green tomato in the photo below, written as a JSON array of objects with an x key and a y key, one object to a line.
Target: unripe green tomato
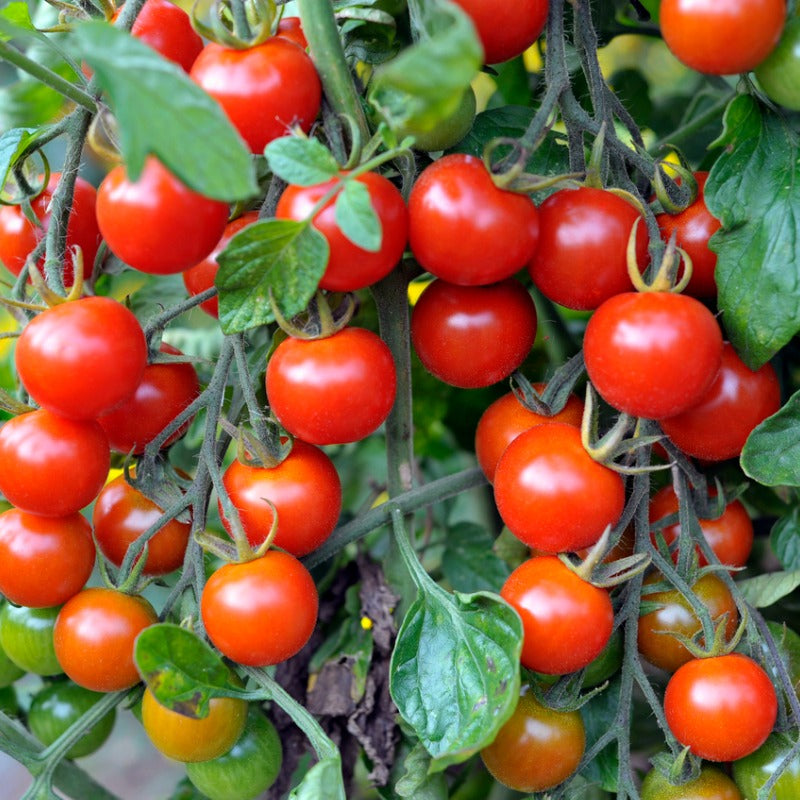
[
  {"x": 753, "y": 771},
  {"x": 249, "y": 768},
  {"x": 601, "y": 669},
  {"x": 788, "y": 644},
  {"x": 711, "y": 784},
  {"x": 8, "y": 701},
  {"x": 449, "y": 131},
  {"x": 57, "y": 707},
  {"x": 779, "y": 73},
  {"x": 26, "y": 634},
  {"x": 9, "y": 671}
]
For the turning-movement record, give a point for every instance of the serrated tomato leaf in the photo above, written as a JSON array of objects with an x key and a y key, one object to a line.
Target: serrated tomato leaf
[
  {"x": 356, "y": 217},
  {"x": 771, "y": 454},
  {"x": 301, "y": 161}
]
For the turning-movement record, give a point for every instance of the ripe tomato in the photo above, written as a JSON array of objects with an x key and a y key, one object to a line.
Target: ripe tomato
[
  {"x": 537, "y": 748},
  {"x": 264, "y": 90},
  {"x": 164, "y": 391},
  {"x": 552, "y": 494},
  {"x": 582, "y": 255},
  {"x": 44, "y": 560},
  {"x": 96, "y": 372},
  {"x": 157, "y": 224},
  {"x": 305, "y": 490},
  {"x": 26, "y": 637},
  {"x": 18, "y": 236},
  {"x": 722, "y": 37},
  {"x": 722, "y": 708},
  {"x": 566, "y": 621},
  {"x": 260, "y": 612},
  {"x": 350, "y": 267},
  {"x": 457, "y": 216},
  {"x": 50, "y": 465},
  {"x": 291, "y": 28},
  {"x": 717, "y": 425},
  {"x": 710, "y": 784},
  {"x": 506, "y": 418},
  {"x": 190, "y": 739},
  {"x": 506, "y": 30},
  {"x": 753, "y": 771},
  {"x": 333, "y": 390},
  {"x": 652, "y": 354},
  {"x": 779, "y": 73},
  {"x": 168, "y": 29},
  {"x": 94, "y": 636},
  {"x": 473, "y": 336}
]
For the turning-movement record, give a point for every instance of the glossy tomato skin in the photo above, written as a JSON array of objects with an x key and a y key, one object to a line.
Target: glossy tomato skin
[
  {"x": 566, "y": 621},
  {"x": 506, "y": 418},
  {"x": 122, "y": 513},
  {"x": 716, "y": 427},
  {"x": 652, "y": 354},
  {"x": 156, "y": 224},
  {"x": 457, "y": 216},
  {"x": 168, "y": 29},
  {"x": 711, "y": 784},
  {"x": 753, "y": 771},
  {"x": 44, "y": 560},
  {"x": 291, "y": 28},
  {"x": 260, "y": 612},
  {"x": 162, "y": 393},
  {"x": 722, "y": 708},
  {"x": 305, "y": 490},
  {"x": 722, "y": 37},
  {"x": 350, "y": 267},
  {"x": 94, "y": 636},
  {"x": 537, "y": 749},
  {"x": 473, "y": 336},
  {"x": 444, "y": 133},
  {"x": 779, "y": 73},
  {"x": 551, "y": 493},
  {"x": 333, "y": 390},
  {"x": 26, "y": 636},
  {"x": 264, "y": 90},
  {"x": 51, "y": 465},
  {"x": 582, "y": 258},
  {"x": 96, "y": 371},
  {"x": 9, "y": 671}
]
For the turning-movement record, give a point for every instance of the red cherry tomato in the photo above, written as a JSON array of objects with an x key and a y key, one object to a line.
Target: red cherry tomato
[
  {"x": 264, "y": 90},
  {"x": 551, "y": 493},
  {"x": 291, "y": 28},
  {"x": 44, "y": 560},
  {"x": 333, "y": 390},
  {"x": 262, "y": 611},
  {"x": 566, "y": 621},
  {"x": 70, "y": 363},
  {"x": 305, "y": 490},
  {"x": 465, "y": 230},
  {"x": 350, "y": 267},
  {"x": 168, "y": 29},
  {"x": 582, "y": 255},
  {"x": 652, "y": 354},
  {"x": 473, "y": 336},
  {"x": 721, "y": 708},
  {"x": 51, "y": 465},
  {"x": 157, "y": 224}
]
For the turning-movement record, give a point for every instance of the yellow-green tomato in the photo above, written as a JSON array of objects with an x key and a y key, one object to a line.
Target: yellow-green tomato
[
  {"x": 711, "y": 784},
  {"x": 779, "y": 73},
  {"x": 753, "y": 771},
  {"x": 446, "y": 132},
  {"x": 26, "y": 636}
]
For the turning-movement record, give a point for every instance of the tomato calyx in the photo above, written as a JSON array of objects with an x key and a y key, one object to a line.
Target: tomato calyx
[
  {"x": 664, "y": 278},
  {"x": 325, "y": 315},
  {"x": 508, "y": 173},
  {"x": 596, "y": 570},
  {"x": 686, "y": 186},
  {"x": 234, "y": 25},
  {"x": 679, "y": 769},
  {"x": 548, "y": 399}
]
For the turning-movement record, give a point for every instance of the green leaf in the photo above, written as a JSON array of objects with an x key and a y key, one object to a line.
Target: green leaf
[
  {"x": 764, "y": 590},
  {"x": 597, "y": 715},
  {"x": 322, "y": 782},
  {"x": 12, "y": 143},
  {"x": 416, "y": 782},
  {"x": 785, "y": 539},
  {"x": 160, "y": 110},
  {"x": 274, "y": 256},
  {"x": 356, "y": 217},
  {"x": 771, "y": 454},
  {"x": 15, "y": 18},
  {"x": 468, "y": 561},
  {"x": 754, "y": 189},
  {"x": 301, "y": 161}
]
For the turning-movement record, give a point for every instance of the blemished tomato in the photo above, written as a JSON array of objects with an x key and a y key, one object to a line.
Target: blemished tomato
[
  {"x": 305, "y": 490},
  {"x": 94, "y": 636},
  {"x": 189, "y": 739},
  {"x": 291, "y": 28},
  {"x": 730, "y": 536},
  {"x": 201, "y": 276},
  {"x": 779, "y": 73},
  {"x": 260, "y": 612},
  {"x": 473, "y": 336},
  {"x": 164, "y": 391},
  {"x": 566, "y": 621},
  {"x": 96, "y": 371},
  {"x": 537, "y": 749},
  {"x": 506, "y": 29},
  {"x": 722, "y": 708},
  {"x": 722, "y": 37},
  {"x": 582, "y": 259},
  {"x": 168, "y": 29},
  {"x": 122, "y": 513},
  {"x": 333, "y": 390},
  {"x": 26, "y": 636},
  {"x": 506, "y": 418},
  {"x": 56, "y": 707},
  {"x": 18, "y": 236},
  {"x": 156, "y": 224},
  {"x": 44, "y": 560},
  {"x": 753, "y": 771},
  {"x": 264, "y": 90},
  {"x": 457, "y": 216},
  {"x": 248, "y": 769},
  {"x": 550, "y": 492},
  {"x": 710, "y": 784},
  {"x": 717, "y": 425},
  {"x": 657, "y": 629},
  {"x": 637, "y": 348},
  {"x": 51, "y": 465}
]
